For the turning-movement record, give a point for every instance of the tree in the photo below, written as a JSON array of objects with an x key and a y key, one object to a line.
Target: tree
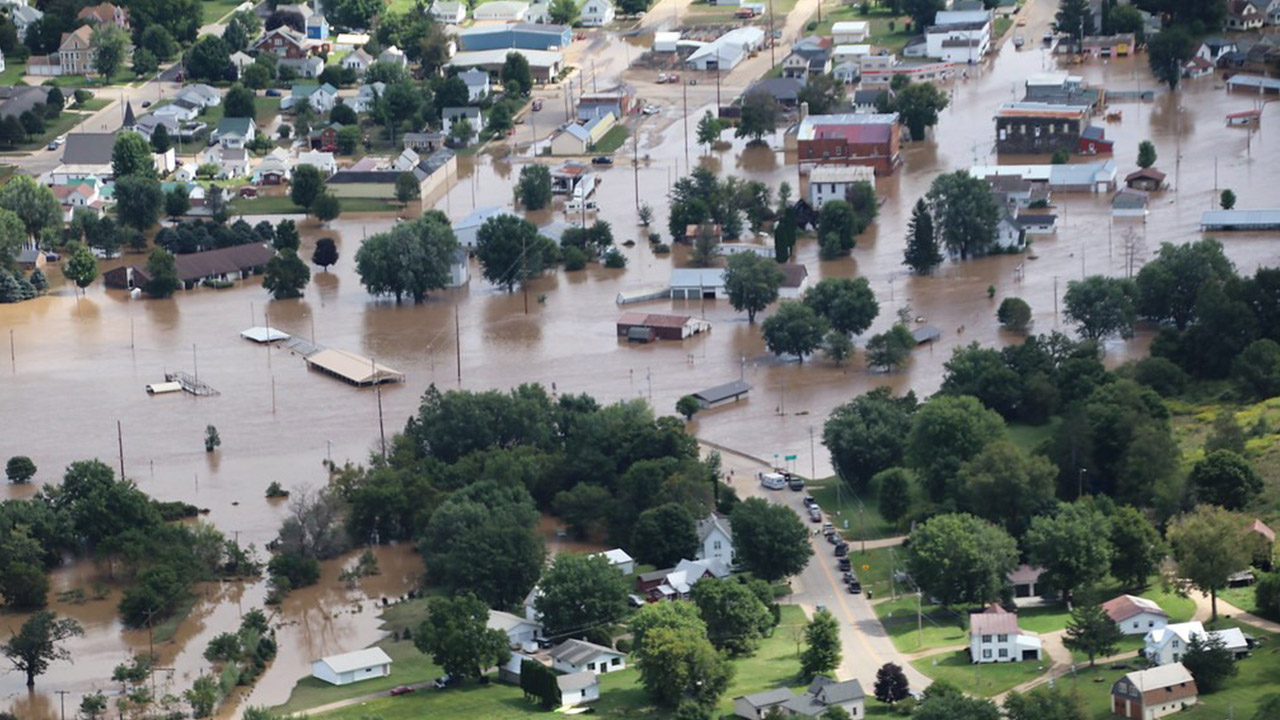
[
  {"x": 1257, "y": 370},
  {"x": 461, "y": 132},
  {"x": 677, "y": 662},
  {"x": 38, "y": 643},
  {"x": 772, "y": 542},
  {"x": 94, "y": 707},
  {"x": 945, "y": 433},
  {"x": 1225, "y": 479},
  {"x": 868, "y": 434},
  {"x": 960, "y": 559},
  {"x": 1073, "y": 546},
  {"x": 1045, "y": 703},
  {"x": 515, "y": 69},
  {"x": 1014, "y": 314},
  {"x": 209, "y": 59},
  {"x": 918, "y": 105},
  {"x": 325, "y": 254},
  {"x": 1092, "y": 632},
  {"x": 664, "y": 535},
  {"x": 81, "y": 267},
  {"x": 1169, "y": 286},
  {"x": 1168, "y": 51},
  {"x": 922, "y": 254},
  {"x": 1227, "y": 200},
  {"x": 922, "y": 12},
  {"x": 709, "y": 128},
  {"x": 891, "y": 684},
  {"x": 823, "y": 93},
  {"x": 1101, "y": 306},
  {"x": 238, "y": 102},
  {"x": 894, "y": 493},
  {"x": 821, "y": 654},
  {"x": 1209, "y": 546},
  {"x": 1137, "y": 547},
  {"x": 163, "y": 271},
  {"x": 581, "y": 591},
  {"x": 736, "y": 617},
  {"x": 1146, "y": 154},
  {"x": 157, "y": 40},
  {"x": 349, "y": 138},
  {"x": 286, "y": 236},
  {"x": 177, "y": 202},
  {"x": 759, "y": 116},
  {"x": 688, "y": 406},
  {"x": 32, "y": 122},
  {"x": 837, "y": 346},
  {"x": 354, "y": 14},
  {"x": 306, "y": 185},
  {"x": 286, "y": 275},
  {"x": 847, "y": 304},
  {"x": 111, "y": 46},
  {"x": 534, "y": 187},
  {"x": 202, "y": 696},
  {"x": 1074, "y": 18},
  {"x": 32, "y": 202},
  {"x": 144, "y": 62},
  {"x": 20, "y": 469},
  {"x": 407, "y": 188},
  {"x": 965, "y": 214},
  {"x": 795, "y": 329},
  {"x": 160, "y": 140},
  {"x": 891, "y": 348},
  {"x": 413, "y": 258},
  {"x": 457, "y": 637},
  {"x": 131, "y": 156},
  {"x": 1006, "y": 487},
  {"x": 510, "y": 251},
  {"x": 1209, "y": 661},
  {"x": 139, "y": 201},
  {"x": 563, "y": 12},
  {"x": 837, "y": 228}
]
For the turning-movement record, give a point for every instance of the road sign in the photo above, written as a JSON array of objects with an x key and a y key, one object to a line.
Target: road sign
[
  {"x": 789, "y": 458},
  {"x": 866, "y": 567}
]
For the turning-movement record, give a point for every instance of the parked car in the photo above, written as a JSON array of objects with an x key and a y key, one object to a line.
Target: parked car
[
  {"x": 842, "y": 549},
  {"x": 850, "y": 577},
  {"x": 845, "y": 563},
  {"x": 537, "y": 105},
  {"x": 401, "y": 690},
  {"x": 53, "y": 144},
  {"x": 795, "y": 483},
  {"x": 272, "y": 92},
  {"x": 809, "y": 501},
  {"x": 146, "y": 103},
  {"x": 828, "y": 529},
  {"x": 854, "y": 587},
  {"x": 602, "y": 160},
  {"x": 815, "y": 515},
  {"x": 772, "y": 481},
  {"x": 834, "y": 539}
]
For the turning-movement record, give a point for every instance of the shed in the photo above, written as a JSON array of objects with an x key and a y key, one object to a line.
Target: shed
[
  {"x": 926, "y": 333},
  {"x": 665, "y": 42},
  {"x": 352, "y": 667},
  {"x": 1146, "y": 179},
  {"x": 663, "y": 327},
  {"x": 1129, "y": 203},
  {"x": 720, "y": 393},
  {"x": 578, "y": 688},
  {"x": 1240, "y": 220},
  {"x": 1024, "y": 579},
  {"x": 355, "y": 369},
  {"x": 572, "y": 656},
  {"x": 695, "y": 283},
  {"x": 263, "y": 335}
]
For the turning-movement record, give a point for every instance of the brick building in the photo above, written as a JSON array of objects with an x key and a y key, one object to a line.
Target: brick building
[
  {"x": 1028, "y": 128},
  {"x": 872, "y": 140}
]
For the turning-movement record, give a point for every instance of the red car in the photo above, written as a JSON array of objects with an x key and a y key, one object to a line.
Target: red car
[{"x": 401, "y": 690}]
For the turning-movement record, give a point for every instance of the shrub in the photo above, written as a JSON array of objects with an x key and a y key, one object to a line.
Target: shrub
[
  {"x": 615, "y": 259},
  {"x": 574, "y": 259}
]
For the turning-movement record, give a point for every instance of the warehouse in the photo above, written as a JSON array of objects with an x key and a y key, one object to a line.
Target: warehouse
[
  {"x": 544, "y": 64},
  {"x": 1240, "y": 220},
  {"x": 661, "y": 327},
  {"x": 519, "y": 36},
  {"x": 727, "y": 50}
]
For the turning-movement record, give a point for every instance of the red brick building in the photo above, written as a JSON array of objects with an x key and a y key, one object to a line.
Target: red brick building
[
  {"x": 284, "y": 42},
  {"x": 871, "y": 140}
]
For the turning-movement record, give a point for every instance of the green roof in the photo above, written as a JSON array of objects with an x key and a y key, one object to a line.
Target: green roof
[{"x": 234, "y": 126}]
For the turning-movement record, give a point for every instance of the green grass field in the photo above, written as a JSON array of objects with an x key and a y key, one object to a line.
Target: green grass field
[
  {"x": 612, "y": 140},
  {"x": 1029, "y": 437},
  {"x": 123, "y": 76},
  {"x": 700, "y": 13},
  {"x": 937, "y": 628},
  {"x": 410, "y": 666},
  {"x": 887, "y": 30},
  {"x": 985, "y": 680},
  {"x": 282, "y": 205},
  {"x": 212, "y": 11},
  {"x": 844, "y": 505},
  {"x": 13, "y": 72},
  {"x": 53, "y": 129},
  {"x": 94, "y": 104}
]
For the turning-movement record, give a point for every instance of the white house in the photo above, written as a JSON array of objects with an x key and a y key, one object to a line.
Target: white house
[
  {"x": 472, "y": 115},
  {"x": 231, "y": 162},
  {"x": 1024, "y": 579},
  {"x": 619, "y": 558},
  {"x": 394, "y": 56},
  {"x": 179, "y": 110},
  {"x": 596, "y": 13},
  {"x": 573, "y": 656},
  {"x": 352, "y": 667},
  {"x": 578, "y": 688},
  {"x": 234, "y": 132},
  {"x": 477, "y": 82},
  {"x": 325, "y": 162},
  {"x": 1154, "y": 693},
  {"x": 200, "y": 94},
  {"x": 822, "y": 695},
  {"x": 1168, "y": 644},
  {"x": 449, "y": 13},
  {"x": 1135, "y": 615},
  {"x": 501, "y": 10},
  {"x": 715, "y": 539},
  {"x": 321, "y": 98},
  {"x": 848, "y": 32},
  {"x": 832, "y": 182},
  {"x": 850, "y": 53},
  {"x": 359, "y": 61},
  {"x": 23, "y": 17},
  {"x": 994, "y": 636},
  {"x": 521, "y": 632},
  {"x": 241, "y": 60},
  {"x": 466, "y": 228},
  {"x": 959, "y": 36},
  {"x": 366, "y": 96}
]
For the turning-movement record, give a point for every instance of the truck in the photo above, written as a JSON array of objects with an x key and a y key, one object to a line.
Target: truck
[{"x": 772, "y": 480}]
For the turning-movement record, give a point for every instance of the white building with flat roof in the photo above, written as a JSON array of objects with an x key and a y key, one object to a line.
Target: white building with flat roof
[{"x": 832, "y": 182}]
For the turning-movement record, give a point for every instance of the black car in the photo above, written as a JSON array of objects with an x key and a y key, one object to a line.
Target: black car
[
  {"x": 845, "y": 564},
  {"x": 809, "y": 501},
  {"x": 834, "y": 539},
  {"x": 842, "y": 549},
  {"x": 850, "y": 577},
  {"x": 795, "y": 483},
  {"x": 855, "y": 588},
  {"x": 602, "y": 160}
]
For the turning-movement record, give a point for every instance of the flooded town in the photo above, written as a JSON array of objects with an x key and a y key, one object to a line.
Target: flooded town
[{"x": 322, "y": 291}]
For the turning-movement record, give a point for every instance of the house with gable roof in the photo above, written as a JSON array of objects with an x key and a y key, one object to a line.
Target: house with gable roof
[
  {"x": 1135, "y": 615},
  {"x": 994, "y": 636},
  {"x": 715, "y": 539},
  {"x": 1154, "y": 693},
  {"x": 1169, "y": 644},
  {"x": 574, "y": 655}
]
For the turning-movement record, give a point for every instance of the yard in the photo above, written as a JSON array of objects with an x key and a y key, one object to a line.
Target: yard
[
  {"x": 843, "y": 506},
  {"x": 936, "y": 628},
  {"x": 123, "y": 76},
  {"x": 888, "y": 31},
  {"x": 13, "y": 72},
  {"x": 1029, "y": 437},
  {"x": 264, "y": 109},
  {"x": 612, "y": 140},
  {"x": 702, "y": 13},
  {"x": 281, "y": 204},
  {"x": 212, "y": 11},
  {"x": 982, "y": 680},
  {"x": 53, "y": 129}
]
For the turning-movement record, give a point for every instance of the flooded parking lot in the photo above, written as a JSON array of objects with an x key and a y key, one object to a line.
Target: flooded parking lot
[{"x": 80, "y": 364}]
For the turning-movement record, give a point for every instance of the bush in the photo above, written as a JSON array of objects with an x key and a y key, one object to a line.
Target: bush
[
  {"x": 1014, "y": 314},
  {"x": 623, "y": 646},
  {"x": 615, "y": 259},
  {"x": 574, "y": 259},
  {"x": 275, "y": 490},
  {"x": 661, "y": 249},
  {"x": 1160, "y": 374}
]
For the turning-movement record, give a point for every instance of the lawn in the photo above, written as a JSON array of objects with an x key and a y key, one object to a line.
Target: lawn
[
  {"x": 874, "y": 569},
  {"x": 93, "y": 104},
  {"x": 212, "y": 11},
  {"x": 265, "y": 108},
  {"x": 982, "y": 680},
  {"x": 1192, "y": 422},
  {"x": 410, "y": 667},
  {"x": 13, "y": 72},
  {"x": 937, "y": 628},
  {"x": 612, "y": 140},
  {"x": 700, "y": 13},
  {"x": 123, "y": 76},
  {"x": 887, "y": 30},
  {"x": 843, "y": 505},
  {"x": 1044, "y": 619},
  {"x": 61, "y": 126},
  {"x": 1029, "y": 437}
]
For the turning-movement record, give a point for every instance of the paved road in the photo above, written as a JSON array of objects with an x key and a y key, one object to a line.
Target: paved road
[{"x": 865, "y": 645}]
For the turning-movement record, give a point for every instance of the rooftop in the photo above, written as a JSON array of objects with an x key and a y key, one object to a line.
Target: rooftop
[
  {"x": 1126, "y": 606},
  {"x": 575, "y": 651},
  {"x": 357, "y": 660},
  {"x": 842, "y": 174}
]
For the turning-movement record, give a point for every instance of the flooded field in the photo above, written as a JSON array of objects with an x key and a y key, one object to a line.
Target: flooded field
[{"x": 80, "y": 364}]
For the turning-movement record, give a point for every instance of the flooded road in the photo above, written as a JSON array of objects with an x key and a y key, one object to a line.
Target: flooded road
[{"x": 79, "y": 365}]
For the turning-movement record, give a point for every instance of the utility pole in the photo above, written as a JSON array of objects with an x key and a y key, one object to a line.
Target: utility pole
[
  {"x": 62, "y": 701},
  {"x": 457, "y": 342},
  {"x": 13, "y": 358},
  {"x": 120, "y": 443},
  {"x": 195, "y": 363},
  {"x": 1055, "y": 296},
  {"x": 813, "y": 458},
  {"x": 684, "y": 86},
  {"x": 635, "y": 164},
  {"x": 524, "y": 271},
  {"x": 773, "y": 61}
]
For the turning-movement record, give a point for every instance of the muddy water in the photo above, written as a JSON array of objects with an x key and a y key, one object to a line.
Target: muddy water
[{"x": 81, "y": 364}]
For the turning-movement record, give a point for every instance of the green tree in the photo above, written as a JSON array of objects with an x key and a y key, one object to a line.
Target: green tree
[
  {"x": 965, "y": 214},
  {"x": 890, "y": 349},
  {"x": 32, "y": 202},
  {"x": 286, "y": 236},
  {"x": 510, "y": 251},
  {"x": 23, "y": 583},
  {"x": 157, "y": 39},
  {"x": 1227, "y": 200},
  {"x": 891, "y": 684},
  {"x": 177, "y": 202},
  {"x": 139, "y": 201},
  {"x": 413, "y": 258},
  {"x": 868, "y": 434},
  {"x": 582, "y": 507},
  {"x": 160, "y": 140},
  {"x": 287, "y": 275},
  {"x": 1168, "y": 51},
  {"x": 1101, "y": 306},
  {"x": 795, "y": 329},
  {"x": 960, "y": 559},
  {"x": 81, "y": 267},
  {"x": 736, "y": 617},
  {"x": 1073, "y": 546},
  {"x": 1257, "y": 370},
  {"x": 202, "y": 696},
  {"x": 306, "y": 185},
  {"x": 837, "y": 346},
  {"x": 954, "y": 705},
  {"x": 945, "y": 433},
  {"x": 664, "y": 535},
  {"x": 1045, "y": 703},
  {"x": 1137, "y": 547},
  {"x": 676, "y": 660},
  {"x": 407, "y": 188},
  {"x": 688, "y": 406},
  {"x": 922, "y": 12},
  {"x": 1146, "y": 154},
  {"x": 823, "y": 93},
  {"x": 893, "y": 492},
  {"x": 1209, "y": 545},
  {"x": 20, "y": 469},
  {"x": 752, "y": 283},
  {"x": 534, "y": 187},
  {"x": 144, "y": 62},
  {"x": 457, "y": 637},
  {"x": 238, "y": 102},
  {"x": 1169, "y": 286},
  {"x": 326, "y": 253},
  {"x": 1014, "y": 314},
  {"x": 1006, "y": 487},
  {"x": 922, "y": 254},
  {"x": 347, "y": 141},
  {"x": 209, "y": 59},
  {"x": 918, "y": 105},
  {"x": 38, "y": 643},
  {"x": 111, "y": 46},
  {"x": 562, "y": 12},
  {"x": 1225, "y": 479},
  {"x": 837, "y": 228},
  {"x": 515, "y": 69},
  {"x": 821, "y": 654},
  {"x": 1092, "y": 632},
  {"x": 847, "y": 304},
  {"x": 759, "y": 117},
  {"x": 1209, "y": 662},
  {"x": 771, "y": 540},
  {"x": 94, "y": 707},
  {"x": 709, "y": 128},
  {"x": 1074, "y": 18},
  {"x": 257, "y": 76},
  {"x": 163, "y": 272},
  {"x": 461, "y": 132},
  {"x": 356, "y": 13},
  {"x": 581, "y": 591},
  {"x": 326, "y": 207},
  {"x": 131, "y": 157}
]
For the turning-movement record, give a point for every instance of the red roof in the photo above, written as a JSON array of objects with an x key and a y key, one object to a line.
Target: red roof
[
  {"x": 653, "y": 320},
  {"x": 993, "y": 623},
  {"x": 1126, "y": 606}
]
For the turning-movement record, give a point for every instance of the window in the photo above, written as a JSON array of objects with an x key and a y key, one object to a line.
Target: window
[
  {"x": 1004, "y": 652},
  {"x": 615, "y": 662},
  {"x": 1175, "y": 643},
  {"x": 591, "y": 667},
  {"x": 716, "y": 545},
  {"x": 986, "y": 654},
  {"x": 986, "y": 638},
  {"x": 1002, "y": 638}
]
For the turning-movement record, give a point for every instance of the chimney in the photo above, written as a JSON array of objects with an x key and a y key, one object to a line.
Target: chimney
[{"x": 804, "y": 111}]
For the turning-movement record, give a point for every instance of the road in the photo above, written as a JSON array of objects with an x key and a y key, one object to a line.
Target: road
[{"x": 865, "y": 644}]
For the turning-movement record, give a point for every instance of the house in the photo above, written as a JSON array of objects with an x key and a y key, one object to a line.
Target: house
[
  {"x": 85, "y": 156},
  {"x": 696, "y": 283},
  {"x": 1263, "y": 531},
  {"x": 573, "y": 656},
  {"x": 231, "y": 162},
  {"x": 757, "y": 705},
  {"x": 200, "y": 95},
  {"x": 1018, "y": 193},
  {"x": 676, "y": 583},
  {"x": 406, "y": 161},
  {"x": 349, "y": 41},
  {"x": 393, "y": 56},
  {"x": 795, "y": 277},
  {"x": 325, "y": 138},
  {"x": 1010, "y": 235},
  {"x": 179, "y": 110},
  {"x": 1197, "y": 67},
  {"x": 75, "y": 52},
  {"x": 1135, "y": 615},
  {"x": 726, "y": 51},
  {"x": 352, "y": 667},
  {"x": 1037, "y": 223},
  {"x": 1270, "y": 10},
  {"x": 833, "y": 182},
  {"x": 321, "y": 98},
  {"x": 322, "y": 161},
  {"x": 848, "y": 73},
  {"x": 581, "y": 138},
  {"x": 596, "y": 13},
  {"x": 23, "y": 17},
  {"x": 1154, "y": 693},
  {"x": 234, "y": 132},
  {"x": 878, "y": 71},
  {"x": 516, "y": 36},
  {"x": 274, "y": 169},
  {"x": 366, "y": 96},
  {"x": 284, "y": 42},
  {"x": 472, "y": 115},
  {"x": 357, "y": 61},
  {"x": 1024, "y": 580},
  {"x": 1026, "y": 128},
  {"x": 426, "y": 141},
  {"x": 848, "y": 32},
  {"x": 850, "y": 53},
  {"x": 619, "y": 559},
  {"x": 501, "y": 10},
  {"x": 994, "y": 637},
  {"x": 1214, "y": 49},
  {"x": 1093, "y": 141},
  {"x": 961, "y": 36},
  {"x": 449, "y": 13},
  {"x": 15, "y": 100},
  {"x": 618, "y": 101},
  {"x": 466, "y": 228},
  {"x": 1106, "y": 46},
  {"x": 317, "y": 27},
  {"x": 821, "y": 695},
  {"x": 665, "y": 41},
  {"x": 80, "y": 195},
  {"x": 241, "y": 60},
  {"x": 864, "y": 100},
  {"x": 477, "y": 83},
  {"x": 715, "y": 539},
  {"x": 1062, "y": 88},
  {"x": 539, "y": 12},
  {"x": 1145, "y": 179},
  {"x": 105, "y": 14},
  {"x": 578, "y": 688},
  {"x": 373, "y": 179},
  {"x": 574, "y": 179},
  {"x": 851, "y": 139},
  {"x": 1243, "y": 16},
  {"x": 544, "y": 65},
  {"x": 29, "y": 259},
  {"x": 521, "y": 632},
  {"x": 307, "y": 67},
  {"x": 809, "y": 56},
  {"x": 1129, "y": 203},
  {"x": 509, "y": 672},
  {"x": 784, "y": 91},
  {"x": 647, "y": 327},
  {"x": 1168, "y": 644}
]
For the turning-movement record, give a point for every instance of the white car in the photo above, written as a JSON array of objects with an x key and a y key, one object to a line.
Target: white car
[
  {"x": 651, "y": 110},
  {"x": 772, "y": 481}
]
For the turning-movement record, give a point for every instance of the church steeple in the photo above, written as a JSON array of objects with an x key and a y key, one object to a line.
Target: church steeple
[{"x": 129, "y": 121}]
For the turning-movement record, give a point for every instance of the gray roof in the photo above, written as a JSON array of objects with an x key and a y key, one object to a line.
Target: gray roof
[
  {"x": 768, "y": 698},
  {"x": 89, "y": 149},
  {"x": 866, "y": 97},
  {"x": 831, "y": 692},
  {"x": 474, "y": 78},
  {"x": 1230, "y": 218},
  {"x": 576, "y": 652},
  {"x": 576, "y": 681},
  {"x": 234, "y": 126},
  {"x": 712, "y": 521},
  {"x": 782, "y": 89},
  {"x": 17, "y": 100},
  {"x": 722, "y": 392},
  {"x": 926, "y": 333}
]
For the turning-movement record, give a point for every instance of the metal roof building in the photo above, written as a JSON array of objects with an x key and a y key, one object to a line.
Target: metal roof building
[
  {"x": 1240, "y": 220},
  {"x": 355, "y": 369}
]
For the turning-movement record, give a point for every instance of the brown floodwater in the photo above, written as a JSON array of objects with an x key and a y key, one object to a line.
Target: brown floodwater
[{"x": 80, "y": 364}]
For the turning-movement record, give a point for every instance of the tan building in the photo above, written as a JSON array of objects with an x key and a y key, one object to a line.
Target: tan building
[
  {"x": 75, "y": 54},
  {"x": 105, "y": 14},
  {"x": 581, "y": 138}
]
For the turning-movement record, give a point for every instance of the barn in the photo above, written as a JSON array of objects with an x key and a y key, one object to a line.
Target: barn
[{"x": 661, "y": 327}]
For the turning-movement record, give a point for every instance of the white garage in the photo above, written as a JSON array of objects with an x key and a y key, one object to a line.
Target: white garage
[{"x": 352, "y": 667}]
